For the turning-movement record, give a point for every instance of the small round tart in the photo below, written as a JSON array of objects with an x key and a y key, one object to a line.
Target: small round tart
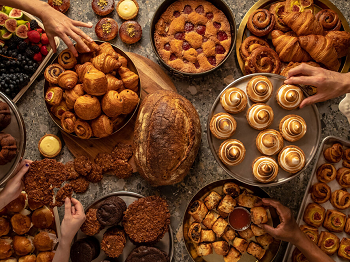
[
  {"x": 106, "y": 29},
  {"x": 259, "y": 89},
  {"x": 102, "y": 7},
  {"x": 289, "y": 97},
  {"x": 269, "y": 142},
  {"x": 231, "y": 152},
  {"x": 260, "y": 116},
  {"x": 130, "y": 32},
  {"x": 292, "y": 159},
  {"x": 127, "y": 9},
  {"x": 265, "y": 169},
  {"x": 223, "y": 125},
  {"x": 60, "y": 5},
  {"x": 49, "y": 146},
  {"x": 292, "y": 127},
  {"x": 233, "y": 100}
]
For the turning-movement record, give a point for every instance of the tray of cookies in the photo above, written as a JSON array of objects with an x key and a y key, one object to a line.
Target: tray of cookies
[
  {"x": 324, "y": 213},
  {"x": 221, "y": 224},
  {"x": 257, "y": 132}
]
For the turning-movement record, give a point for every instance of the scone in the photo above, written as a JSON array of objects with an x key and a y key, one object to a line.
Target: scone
[{"x": 223, "y": 125}]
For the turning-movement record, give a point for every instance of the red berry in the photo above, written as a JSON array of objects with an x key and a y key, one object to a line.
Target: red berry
[
  {"x": 38, "y": 57},
  {"x": 28, "y": 26},
  {"x": 209, "y": 15},
  {"x": 187, "y": 9},
  {"x": 217, "y": 25},
  {"x": 167, "y": 47},
  {"x": 177, "y": 14},
  {"x": 186, "y": 46},
  {"x": 172, "y": 57},
  {"x": 189, "y": 27},
  {"x": 40, "y": 31},
  {"x": 34, "y": 36},
  {"x": 179, "y": 36},
  {"x": 44, "y": 39},
  {"x": 201, "y": 29},
  {"x": 222, "y": 36},
  {"x": 219, "y": 49},
  {"x": 199, "y": 50},
  {"x": 200, "y": 9},
  {"x": 43, "y": 50},
  {"x": 212, "y": 60},
  {"x": 196, "y": 64}
]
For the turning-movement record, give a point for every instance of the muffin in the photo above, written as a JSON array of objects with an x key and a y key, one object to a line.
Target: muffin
[
  {"x": 23, "y": 245},
  {"x": 110, "y": 211},
  {"x": 45, "y": 240},
  {"x": 113, "y": 242},
  {"x": 84, "y": 250},
  {"x": 4, "y": 227},
  {"x": 144, "y": 253},
  {"x": 233, "y": 100},
  {"x": 42, "y": 218},
  {"x": 223, "y": 125},
  {"x": 91, "y": 225},
  {"x": 20, "y": 224}
]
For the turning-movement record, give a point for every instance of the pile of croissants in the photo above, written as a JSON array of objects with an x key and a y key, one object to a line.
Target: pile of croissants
[
  {"x": 93, "y": 94},
  {"x": 298, "y": 36}
]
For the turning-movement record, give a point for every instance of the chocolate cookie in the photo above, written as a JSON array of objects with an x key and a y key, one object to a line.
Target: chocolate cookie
[
  {"x": 95, "y": 175},
  {"x": 84, "y": 250},
  {"x": 70, "y": 171},
  {"x": 123, "y": 169},
  {"x": 106, "y": 161},
  {"x": 110, "y": 211},
  {"x": 62, "y": 194},
  {"x": 122, "y": 151},
  {"x": 145, "y": 254},
  {"x": 82, "y": 165},
  {"x": 80, "y": 185}
]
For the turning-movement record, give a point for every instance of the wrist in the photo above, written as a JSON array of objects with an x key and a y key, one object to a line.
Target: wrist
[
  {"x": 40, "y": 9},
  {"x": 298, "y": 238}
]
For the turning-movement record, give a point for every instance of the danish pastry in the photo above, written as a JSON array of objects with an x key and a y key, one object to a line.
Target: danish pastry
[
  {"x": 346, "y": 158},
  {"x": 343, "y": 177},
  {"x": 292, "y": 159},
  {"x": 340, "y": 199},
  {"x": 87, "y": 107},
  {"x": 329, "y": 20},
  {"x": 249, "y": 44},
  {"x": 293, "y": 127},
  {"x": 223, "y": 125},
  {"x": 269, "y": 142},
  {"x": 347, "y": 226},
  {"x": 344, "y": 248},
  {"x": 311, "y": 232},
  {"x": 320, "y": 193},
  {"x": 102, "y": 126},
  {"x": 68, "y": 121},
  {"x": 314, "y": 215},
  {"x": 326, "y": 173},
  {"x": 54, "y": 96},
  {"x": 328, "y": 243},
  {"x": 52, "y": 73},
  {"x": 334, "y": 153},
  {"x": 261, "y": 22},
  {"x": 82, "y": 129},
  {"x": 259, "y": 89},
  {"x": 260, "y": 116},
  {"x": 61, "y": 6},
  {"x": 232, "y": 152},
  {"x": 334, "y": 221},
  {"x": 265, "y": 169},
  {"x": 289, "y": 97},
  {"x": 233, "y": 100},
  {"x": 66, "y": 59},
  {"x": 130, "y": 32}
]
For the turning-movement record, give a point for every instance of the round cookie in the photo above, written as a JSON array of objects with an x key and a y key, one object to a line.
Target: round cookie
[
  {"x": 145, "y": 254},
  {"x": 86, "y": 249},
  {"x": 110, "y": 211}
]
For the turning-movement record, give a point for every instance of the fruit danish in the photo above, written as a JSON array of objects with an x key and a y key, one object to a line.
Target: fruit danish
[
  {"x": 334, "y": 221},
  {"x": 344, "y": 248},
  {"x": 54, "y": 96},
  {"x": 277, "y": 9},
  {"x": 311, "y": 232},
  {"x": 328, "y": 243},
  {"x": 314, "y": 215}
]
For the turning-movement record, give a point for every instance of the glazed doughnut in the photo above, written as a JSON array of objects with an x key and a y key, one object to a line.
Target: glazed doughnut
[{"x": 261, "y": 22}]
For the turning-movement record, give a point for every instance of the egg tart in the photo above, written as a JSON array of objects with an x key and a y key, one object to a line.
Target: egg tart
[
  {"x": 223, "y": 125},
  {"x": 292, "y": 127},
  {"x": 106, "y": 29},
  {"x": 328, "y": 243},
  {"x": 292, "y": 159},
  {"x": 289, "y": 97},
  {"x": 259, "y": 89},
  {"x": 130, "y": 32},
  {"x": 233, "y": 100},
  {"x": 102, "y": 7},
  {"x": 260, "y": 116},
  {"x": 269, "y": 142},
  {"x": 231, "y": 152},
  {"x": 265, "y": 169},
  {"x": 50, "y": 146},
  {"x": 314, "y": 215},
  {"x": 127, "y": 9}
]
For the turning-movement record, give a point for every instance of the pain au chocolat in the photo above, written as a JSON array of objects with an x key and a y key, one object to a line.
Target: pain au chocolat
[
  {"x": 289, "y": 97},
  {"x": 233, "y": 100},
  {"x": 166, "y": 138}
]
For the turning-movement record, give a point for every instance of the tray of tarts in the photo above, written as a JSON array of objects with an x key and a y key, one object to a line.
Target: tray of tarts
[
  {"x": 324, "y": 213},
  {"x": 257, "y": 132},
  {"x": 125, "y": 226},
  {"x": 275, "y": 36},
  {"x": 221, "y": 224},
  {"x": 94, "y": 95}
]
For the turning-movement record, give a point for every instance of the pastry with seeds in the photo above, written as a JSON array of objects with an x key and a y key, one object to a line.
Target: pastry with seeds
[{"x": 102, "y": 7}]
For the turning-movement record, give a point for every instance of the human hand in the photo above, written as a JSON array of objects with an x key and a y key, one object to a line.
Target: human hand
[{"x": 329, "y": 84}]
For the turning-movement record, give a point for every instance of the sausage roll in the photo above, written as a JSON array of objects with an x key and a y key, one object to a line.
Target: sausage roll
[
  {"x": 198, "y": 210},
  {"x": 255, "y": 250},
  {"x": 247, "y": 200},
  {"x": 347, "y": 226},
  {"x": 204, "y": 249},
  {"x": 344, "y": 248},
  {"x": 207, "y": 235},
  {"x": 246, "y": 234},
  {"x": 320, "y": 193},
  {"x": 240, "y": 244},
  {"x": 226, "y": 206},
  {"x": 264, "y": 240},
  {"x": 340, "y": 199},
  {"x": 326, "y": 173},
  {"x": 259, "y": 215},
  {"x": 257, "y": 231},
  {"x": 314, "y": 215},
  {"x": 328, "y": 243},
  {"x": 311, "y": 232},
  {"x": 212, "y": 200},
  {"x": 221, "y": 247},
  {"x": 194, "y": 233},
  {"x": 334, "y": 221},
  {"x": 220, "y": 226},
  {"x": 233, "y": 255},
  {"x": 231, "y": 189},
  {"x": 210, "y": 219},
  {"x": 334, "y": 153},
  {"x": 343, "y": 177},
  {"x": 229, "y": 235}
]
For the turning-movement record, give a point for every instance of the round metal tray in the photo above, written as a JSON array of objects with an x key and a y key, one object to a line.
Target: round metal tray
[
  {"x": 18, "y": 131},
  {"x": 247, "y": 135},
  {"x": 217, "y": 186},
  {"x": 166, "y": 244}
]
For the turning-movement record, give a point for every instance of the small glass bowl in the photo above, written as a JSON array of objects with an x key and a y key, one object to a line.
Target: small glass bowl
[{"x": 245, "y": 227}]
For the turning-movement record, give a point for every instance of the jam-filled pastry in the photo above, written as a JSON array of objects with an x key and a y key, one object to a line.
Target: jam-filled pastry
[
  {"x": 346, "y": 158},
  {"x": 210, "y": 219},
  {"x": 334, "y": 221},
  {"x": 231, "y": 189},
  {"x": 311, "y": 232},
  {"x": 259, "y": 215},
  {"x": 297, "y": 256},
  {"x": 341, "y": 199},
  {"x": 231, "y": 152},
  {"x": 269, "y": 142},
  {"x": 344, "y": 248},
  {"x": 260, "y": 116},
  {"x": 194, "y": 233},
  {"x": 226, "y": 206},
  {"x": 198, "y": 211},
  {"x": 54, "y": 96},
  {"x": 347, "y": 226},
  {"x": 328, "y": 243},
  {"x": 292, "y": 127},
  {"x": 233, "y": 100},
  {"x": 223, "y": 125},
  {"x": 247, "y": 200},
  {"x": 259, "y": 89},
  {"x": 256, "y": 250},
  {"x": 289, "y": 97},
  {"x": 212, "y": 200},
  {"x": 320, "y": 193},
  {"x": 204, "y": 249},
  {"x": 221, "y": 247},
  {"x": 52, "y": 73},
  {"x": 343, "y": 177},
  {"x": 292, "y": 159},
  {"x": 265, "y": 169},
  {"x": 326, "y": 173},
  {"x": 314, "y": 215},
  {"x": 334, "y": 153},
  {"x": 220, "y": 226},
  {"x": 207, "y": 235}
]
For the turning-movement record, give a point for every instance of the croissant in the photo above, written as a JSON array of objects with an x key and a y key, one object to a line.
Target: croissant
[
  {"x": 95, "y": 82},
  {"x": 81, "y": 70},
  {"x": 68, "y": 79},
  {"x": 108, "y": 49},
  {"x": 303, "y": 23},
  {"x": 123, "y": 60},
  {"x": 105, "y": 63},
  {"x": 288, "y": 48},
  {"x": 321, "y": 49},
  {"x": 82, "y": 129},
  {"x": 92, "y": 45},
  {"x": 277, "y": 9},
  {"x": 114, "y": 83},
  {"x": 72, "y": 95},
  {"x": 341, "y": 42},
  {"x": 129, "y": 78}
]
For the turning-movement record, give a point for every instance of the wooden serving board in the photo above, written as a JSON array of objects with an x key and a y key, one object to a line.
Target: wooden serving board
[{"x": 153, "y": 78}]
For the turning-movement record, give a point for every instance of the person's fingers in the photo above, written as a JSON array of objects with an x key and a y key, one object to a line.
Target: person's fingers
[
  {"x": 67, "y": 208},
  {"x": 311, "y": 100},
  {"x": 52, "y": 43},
  {"x": 69, "y": 44},
  {"x": 81, "y": 24},
  {"x": 22, "y": 172},
  {"x": 78, "y": 207},
  {"x": 79, "y": 41},
  {"x": 303, "y": 69},
  {"x": 302, "y": 80},
  {"x": 81, "y": 33},
  {"x": 73, "y": 210},
  {"x": 259, "y": 203},
  {"x": 269, "y": 229}
]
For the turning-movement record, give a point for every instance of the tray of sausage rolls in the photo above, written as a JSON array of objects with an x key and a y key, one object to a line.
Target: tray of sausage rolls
[{"x": 325, "y": 211}]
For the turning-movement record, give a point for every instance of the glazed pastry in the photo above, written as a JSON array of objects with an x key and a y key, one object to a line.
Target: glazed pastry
[
  {"x": 221, "y": 248},
  {"x": 82, "y": 129},
  {"x": 231, "y": 189},
  {"x": 210, "y": 219},
  {"x": 247, "y": 200},
  {"x": 60, "y": 5},
  {"x": 334, "y": 153},
  {"x": 265, "y": 169},
  {"x": 277, "y": 9},
  {"x": 194, "y": 233},
  {"x": 212, "y": 200},
  {"x": 106, "y": 29},
  {"x": 341, "y": 42},
  {"x": 329, "y": 20},
  {"x": 50, "y": 146},
  {"x": 223, "y": 125},
  {"x": 66, "y": 59},
  {"x": 68, "y": 121},
  {"x": 130, "y": 32},
  {"x": 220, "y": 226},
  {"x": 233, "y": 100},
  {"x": 231, "y": 152},
  {"x": 85, "y": 58},
  {"x": 261, "y": 22},
  {"x": 53, "y": 96},
  {"x": 246, "y": 234},
  {"x": 346, "y": 158},
  {"x": 68, "y": 79},
  {"x": 320, "y": 193},
  {"x": 130, "y": 100},
  {"x": 265, "y": 240},
  {"x": 59, "y": 110},
  {"x": 299, "y": 6},
  {"x": 256, "y": 250},
  {"x": 102, "y": 7},
  {"x": 304, "y": 23},
  {"x": 70, "y": 96},
  {"x": 105, "y": 63},
  {"x": 108, "y": 49},
  {"x": 129, "y": 78},
  {"x": 289, "y": 97},
  {"x": 204, "y": 249},
  {"x": 240, "y": 244},
  {"x": 292, "y": 159},
  {"x": 249, "y": 44},
  {"x": 95, "y": 48},
  {"x": 311, "y": 232},
  {"x": 326, "y": 173},
  {"x": 259, "y": 89},
  {"x": 226, "y": 206},
  {"x": 95, "y": 82},
  {"x": 340, "y": 199},
  {"x": 314, "y": 215},
  {"x": 293, "y": 127},
  {"x": 127, "y": 9},
  {"x": 259, "y": 215},
  {"x": 257, "y": 231},
  {"x": 344, "y": 248},
  {"x": 269, "y": 142},
  {"x": 260, "y": 116},
  {"x": 87, "y": 107},
  {"x": 52, "y": 73},
  {"x": 114, "y": 84},
  {"x": 198, "y": 211},
  {"x": 112, "y": 104},
  {"x": 123, "y": 60},
  {"x": 328, "y": 243},
  {"x": 102, "y": 126},
  {"x": 207, "y": 235},
  {"x": 334, "y": 221},
  {"x": 233, "y": 255},
  {"x": 343, "y": 177},
  {"x": 263, "y": 60}
]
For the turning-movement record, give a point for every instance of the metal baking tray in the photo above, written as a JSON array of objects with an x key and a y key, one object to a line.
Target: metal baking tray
[
  {"x": 327, "y": 142},
  {"x": 217, "y": 186},
  {"x": 166, "y": 244},
  {"x": 247, "y": 135}
]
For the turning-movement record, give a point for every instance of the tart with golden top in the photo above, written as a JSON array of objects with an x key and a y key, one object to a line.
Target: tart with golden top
[
  {"x": 269, "y": 142},
  {"x": 289, "y": 97},
  {"x": 232, "y": 152},
  {"x": 293, "y": 128},
  {"x": 292, "y": 159},
  {"x": 233, "y": 100}
]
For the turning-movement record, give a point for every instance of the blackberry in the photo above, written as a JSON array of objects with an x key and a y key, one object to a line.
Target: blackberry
[
  {"x": 17, "y": 39},
  {"x": 33, "y": 24},
  {"x": 22, "y": 46},
  {"x": 35, "y": 48},
  {"x": 29, "y": 53},
  {"x": 12, "y": 46}
]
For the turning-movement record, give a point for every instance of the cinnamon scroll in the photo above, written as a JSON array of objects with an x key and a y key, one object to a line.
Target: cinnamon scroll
[
  {"x": 343, "y": 177},
  {"x": 261, "y": 22},
  {"x": 263, "y": 60},
  {"x": 329, "y": 20},
  {"x": 249, "y": 44},
  {"x": 341, "y": 199},
  {"x": 320, "y": 193},
  {"x": 334, "y": 153},
  {"x": 52, "y": 73},
  {"x": 67, "y": 59},
  {"x": 326, "y": 173},
  {"x": 346, "y": 158}
]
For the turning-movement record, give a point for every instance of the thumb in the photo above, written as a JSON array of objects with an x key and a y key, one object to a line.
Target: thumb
[
  {"x": 268, "y": 229},
  {"x": 22, "y": 171},
  {"x": 67, "y": 208},
  {"x": 311, "y": 100}
]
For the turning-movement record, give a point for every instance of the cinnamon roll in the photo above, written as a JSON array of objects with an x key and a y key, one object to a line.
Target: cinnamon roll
[
  {"x": 52, "y": 73},
  {"x": 277, "y": 9},
  {"x": 289, "y": 97},
  {"x": 261, "y": 22},
  {"x": 334, "y": 221},
  {"x": 292, "y": 127},
  {"x": 311, "y": 232},
  {"x": 82, "y": 129},
  {"x": 233, "y": 100},
  {"x": 343, "y": 177},
  {"x": 329, "y": 20},
  {"x": 66, "y": 59},
  {"x": 340, "y": 199},
  {"x": 344, "y": 248},
  {"x": 231, "y": 152},
  {"x": 249, "y": 44},
  {"x": 334, "y": 153},
  {"x": 314, "y": 215},
  {"x": 346, "y": 158},
  {"x": 259, "y": 89},
  {"x": 328, "y": 243},
  {"x": 198, "y": 211},
  {"x": 269, "y": 142},
  {"x": 263, "y": 60},
  {"x": 223, "y": 125},
  {"x": 68, "y": 120},
  {"x": 292, "y": 159},
  {"x": 194, "y": 233},
  {"x": 320, "y": 193},
  {"x": 326, "y": 173},
  {"x": 265, "y": 169},
  {"x": 260, "y": 116},
  {"x": 68, "y": 79}
]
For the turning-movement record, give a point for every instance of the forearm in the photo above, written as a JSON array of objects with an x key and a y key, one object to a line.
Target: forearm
[
  {"x": 63, "y": 252},
  {"x": 34, "y": 7},
  {"x": 3, "y": 200}
]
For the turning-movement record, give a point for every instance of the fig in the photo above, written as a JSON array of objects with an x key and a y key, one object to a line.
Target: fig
[
  {"x": 3, "y": 18},
  {"x": 7, "y": 9},
  {"x": 16, "y": 13},
  {"x": 11, "y": 25},
  {"x": 2, "y": 43},
  {"x": 22, "y": 31},
  {"x": 5, "y": 35}
]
